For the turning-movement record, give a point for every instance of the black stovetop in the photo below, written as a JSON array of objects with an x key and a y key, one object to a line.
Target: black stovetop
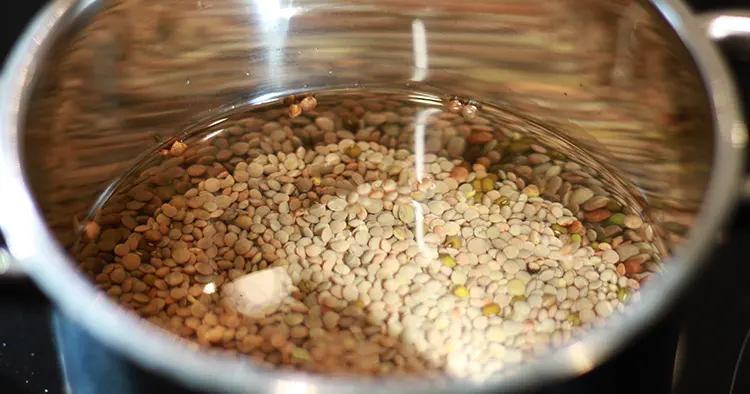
[{"x": 711, "y": 323}]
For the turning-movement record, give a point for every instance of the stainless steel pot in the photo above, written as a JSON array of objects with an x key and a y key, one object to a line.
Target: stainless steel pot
[{"x": 90, "y": 81}]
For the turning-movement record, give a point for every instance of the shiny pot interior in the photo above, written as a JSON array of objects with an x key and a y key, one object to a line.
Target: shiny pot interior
[{"x": 612, "y": 77}]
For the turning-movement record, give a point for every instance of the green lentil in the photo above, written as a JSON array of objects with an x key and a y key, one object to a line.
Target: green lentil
[
  {"x": 453, "y": 241},
  {"x": 448, "y": 260},
  {"x": 613, "y": 206},
  {"x": 354, "y": 151},
  {"x": 623, "y": 294},
  {"x": 618, "y": 219},
  {"x": 306, "y": 286},
  {"x": 491, "y": 309},
  {"x": 488, "y": 184},
  {"x": 478, "y": 197},
  {"x": 301, "y": 354},
  {"x": 461, "y": 291},
  {"x": 518, "y": 147}
]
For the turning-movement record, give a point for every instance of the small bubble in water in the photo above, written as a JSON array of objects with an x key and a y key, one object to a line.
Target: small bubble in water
[
  {"x": 32, "y": 354},
  {"x": 4, "y": 345},
  {"x": 469, "y": 111},
  {"x": 187, "y": 82}
]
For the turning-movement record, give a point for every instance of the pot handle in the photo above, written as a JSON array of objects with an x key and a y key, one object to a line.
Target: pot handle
[
  {"x": 9, "y": 267},
  {"x": 723, "y": 25}
]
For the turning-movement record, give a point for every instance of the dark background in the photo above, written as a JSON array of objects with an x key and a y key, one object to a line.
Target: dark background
[{"x": 711, "y": 322}]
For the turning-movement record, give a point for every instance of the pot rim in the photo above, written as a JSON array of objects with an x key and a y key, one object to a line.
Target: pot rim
[{"x": 32, "y": 244}]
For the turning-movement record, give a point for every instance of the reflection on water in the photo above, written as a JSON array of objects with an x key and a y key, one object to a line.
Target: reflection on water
[{"x": 260, "y": 293}]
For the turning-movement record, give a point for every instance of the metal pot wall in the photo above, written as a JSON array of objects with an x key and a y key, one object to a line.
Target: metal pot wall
[{"x": 641, "y": 86}]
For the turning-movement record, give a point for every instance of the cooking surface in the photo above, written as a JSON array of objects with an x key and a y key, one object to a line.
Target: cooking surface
[{"x": 713, "y": 320}]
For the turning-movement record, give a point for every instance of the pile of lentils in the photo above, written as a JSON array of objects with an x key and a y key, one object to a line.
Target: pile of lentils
[{"x": 380, "y": 261}]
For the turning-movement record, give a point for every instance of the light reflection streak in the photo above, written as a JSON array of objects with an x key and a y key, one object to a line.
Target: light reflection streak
[
  {"x": 294, "y": 387},
  {"x": 274, "y": 23},
  {"x": 419, "y": 152},
  {"x": 420, "y": 125},
  {"x": 580, "y": 361},
  {"x": 209, "y": 288},
  {"x": 214, "y": 123},
  {"x": 419, "y": 45},
  {"x": 419, "y": 227}
]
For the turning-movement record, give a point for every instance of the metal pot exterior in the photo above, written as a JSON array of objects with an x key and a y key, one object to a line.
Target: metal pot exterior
[{"x": 639, "y": 85}]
